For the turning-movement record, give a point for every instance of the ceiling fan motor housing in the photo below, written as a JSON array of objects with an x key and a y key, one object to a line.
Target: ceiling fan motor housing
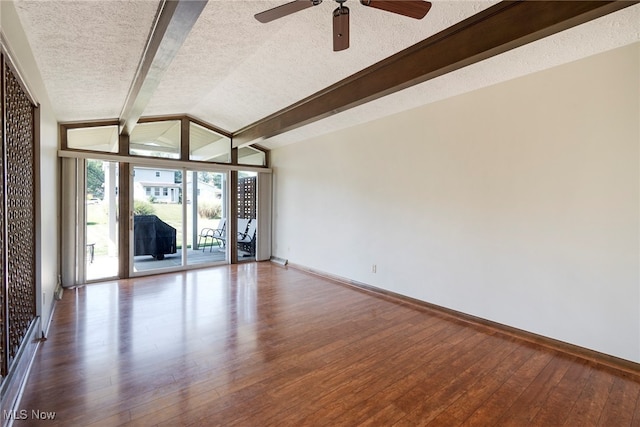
[{"x": 341, "y": 28}]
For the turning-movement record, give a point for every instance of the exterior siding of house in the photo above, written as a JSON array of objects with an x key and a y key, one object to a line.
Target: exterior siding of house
[{"x": 157, "y": 185}]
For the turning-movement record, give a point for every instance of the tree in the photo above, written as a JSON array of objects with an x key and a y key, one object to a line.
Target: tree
[
  {"x": 204, "y": 177},
  {"x": 210, "y": 178},
  {"x": 95, "y": 179}
]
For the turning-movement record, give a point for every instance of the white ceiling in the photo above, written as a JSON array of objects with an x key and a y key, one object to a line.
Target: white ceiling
[{"x": 233, "y": 71}]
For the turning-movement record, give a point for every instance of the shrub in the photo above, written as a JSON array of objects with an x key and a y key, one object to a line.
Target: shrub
[
  {"x": 142, "y": 207},
  {"x": 210, "y": 210}
]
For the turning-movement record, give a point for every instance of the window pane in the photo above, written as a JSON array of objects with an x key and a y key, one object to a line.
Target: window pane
[
  {"x": 157, "y": 220},
  {"x": 101, "y": 138},
  {"x": 208, "y": 146},
  {"x": 101, "y": 220},
  {"x": 207, "y": 206},
  {"x": 251, "y": 156},
  {"x": 156, "y": 139}
]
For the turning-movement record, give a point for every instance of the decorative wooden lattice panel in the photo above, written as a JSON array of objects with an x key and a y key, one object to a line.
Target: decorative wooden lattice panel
[
  {"x": 2, "y": 287},
  {"x": 19, "y": 212},
  {"x": 247, "y": 197}
]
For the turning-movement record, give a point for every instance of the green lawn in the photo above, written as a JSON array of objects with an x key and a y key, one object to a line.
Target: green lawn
[{"x": 97, "y": 227}]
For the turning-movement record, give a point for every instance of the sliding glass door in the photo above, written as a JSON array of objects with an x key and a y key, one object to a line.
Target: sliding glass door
[
  {"x": 157, "y": 219},
  {"x": 178, "y": 219},
  {"x": 206, "y": 217}
]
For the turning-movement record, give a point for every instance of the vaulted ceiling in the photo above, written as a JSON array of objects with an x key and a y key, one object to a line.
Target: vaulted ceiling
[{"x": 233, "y": 72}]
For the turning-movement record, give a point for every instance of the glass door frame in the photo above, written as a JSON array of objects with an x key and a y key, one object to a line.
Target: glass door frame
[{"x": 184, "y": 265}]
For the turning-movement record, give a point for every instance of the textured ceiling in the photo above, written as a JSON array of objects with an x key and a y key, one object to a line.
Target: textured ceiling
[
  {"x": 87, "y": 52},
  {"x": 232, "y": 71}
]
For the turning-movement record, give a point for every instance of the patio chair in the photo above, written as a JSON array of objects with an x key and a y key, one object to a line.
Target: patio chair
[
  {"x": 243, "y": 224},
  {"x": 220, "y": 233},
  {"x": 209, "y": 235},
  {"x": 205, "y": 238},
  {"x": 247, "y": 240}
]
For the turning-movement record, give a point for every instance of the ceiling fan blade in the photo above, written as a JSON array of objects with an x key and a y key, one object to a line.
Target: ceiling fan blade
[
  {"x": 341, "y": 28},
  {"x": 412, "y": 8},
  {"x": 284, "y": 10}
]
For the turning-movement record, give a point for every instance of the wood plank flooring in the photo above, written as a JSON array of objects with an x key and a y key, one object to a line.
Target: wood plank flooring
[{"x": 258, "y": 345}]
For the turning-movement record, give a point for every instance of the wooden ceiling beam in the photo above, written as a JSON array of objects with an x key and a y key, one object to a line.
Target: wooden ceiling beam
[
  {"x": 173, "y": 23},
  {"x": 499, "y": 28}
]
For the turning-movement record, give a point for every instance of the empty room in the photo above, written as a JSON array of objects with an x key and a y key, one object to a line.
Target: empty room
[{"x": 306, "y": 213}]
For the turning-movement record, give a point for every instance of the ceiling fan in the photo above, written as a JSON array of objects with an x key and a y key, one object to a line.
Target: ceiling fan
[{"x": 412, "y": 8}]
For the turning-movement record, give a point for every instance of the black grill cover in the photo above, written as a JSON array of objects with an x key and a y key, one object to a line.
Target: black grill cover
[{"x": 153, "y": 236}]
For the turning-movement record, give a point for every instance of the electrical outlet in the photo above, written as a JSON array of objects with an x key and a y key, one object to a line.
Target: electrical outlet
[{"x": 374, "y": 268}]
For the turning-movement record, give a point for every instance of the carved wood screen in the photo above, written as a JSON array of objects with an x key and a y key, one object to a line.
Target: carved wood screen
[
  {"x": 3, "y": 365},
  {"x": 17, "y": 216},
  {"x": 247, "y": 197}
]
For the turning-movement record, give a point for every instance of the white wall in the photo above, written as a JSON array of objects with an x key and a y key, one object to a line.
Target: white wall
[
  {"x": 518, "y": 203},
  {"x": 47, "y": 258}
]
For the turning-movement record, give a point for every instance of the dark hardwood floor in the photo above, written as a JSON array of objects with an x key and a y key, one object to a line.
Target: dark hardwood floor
[{"x": 257, "y": 345}]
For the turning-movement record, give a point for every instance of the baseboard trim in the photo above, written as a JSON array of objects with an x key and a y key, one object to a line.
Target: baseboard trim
[
  {"x": 14, "y": 384},
  {"x": 623, "y": 366}
]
